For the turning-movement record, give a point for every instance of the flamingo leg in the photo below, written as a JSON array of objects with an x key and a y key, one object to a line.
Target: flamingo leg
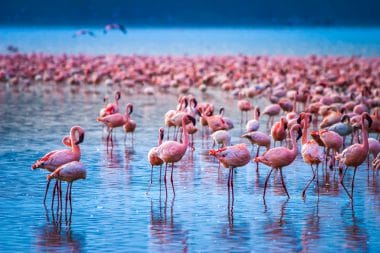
[
  {"x": 70, "y": 198},
  {"x": 266, "y": 182},
  {"x": 232, "y": 188},
  {"x": 171, "y": 179},
  {"x": 52, "y": 200},
  {"x": 307, "y": 185},
  {"x": 283, "y": 183},
  {"x": 352, "y": 184},
  {"x": 317, "y": 180},
  {"x": 46, "y": 191},
  {"x": 67, "y": 197},
  {"x": 166, "y": 167},
  {"x": 160, "y": 173},
  {"x": 257, "y": 154},
  {"x": 342, "y": 183}
]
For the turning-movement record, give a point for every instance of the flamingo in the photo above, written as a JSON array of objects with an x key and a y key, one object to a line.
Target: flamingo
[
  {"x": 278, "y": 130},
  {"x": 244, "y": 106},
  {"x": 311, "y": 152},
  {"x": 69, "y": 172},
  {"x": 260, "y": 139},
  {"x": 114, "y": 120},
  {"x": 215, "y": 122},
  {"x": 221, "y": 137},
  {"x": 343, "y": 128},
  {"x": 254, "y": 124},
  {"x": 103, "y": 112},
  {"x": 130, "y": 124},
  {"x": 332, "y": 141},
  {"x": 355, "y": 155},
  {"x": 374, "y": 149},
  {"x": 153, "y": 158},
  {"x": 83, "y": 32},
  {"x": 232, "y": 157},
  {"x": 112, "y": 108},
  {"x": 173, "y": 151},
  {"x": 52, "y": 160},
  {"x": 272, "y": 111},
  {"x": 110, "y": 27},
  {"x": 279, "y": 157}
]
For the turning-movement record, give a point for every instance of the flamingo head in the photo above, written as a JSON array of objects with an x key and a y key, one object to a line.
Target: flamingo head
[
  {"x": 366, "y": 116},
  {"x": 80, "y": 139},
  {"x": 117, "y": 95},
  {"x": 316, "y": 136},
  {"x": 345, "y": 118},
  {"x": 189, "y": 119}
]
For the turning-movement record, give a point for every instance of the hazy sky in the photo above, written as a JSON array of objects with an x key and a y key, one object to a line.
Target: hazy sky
[{"x": 191, "y": 12}]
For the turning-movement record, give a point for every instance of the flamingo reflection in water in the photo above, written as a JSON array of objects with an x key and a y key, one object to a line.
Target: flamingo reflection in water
[
  {"x": 54, "y": 235},
  {"x": 164, "y": 231}
]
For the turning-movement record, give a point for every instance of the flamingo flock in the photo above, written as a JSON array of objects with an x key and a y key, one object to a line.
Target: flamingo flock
[{"x": 331, "y": 102}]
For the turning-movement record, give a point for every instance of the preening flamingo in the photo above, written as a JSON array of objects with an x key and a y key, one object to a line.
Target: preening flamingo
[
  {"x": 355, "y": 155},
  {"x": 279, "y": 157},
  {"x": 112, "y": 108},
  {"x": 114, "y": 120},
  {"x": 173, "y": 151},
  {"x": 69, "y": 172},
  {"x": 153, "y": 158},
  {"x": 52, "y": 160}
]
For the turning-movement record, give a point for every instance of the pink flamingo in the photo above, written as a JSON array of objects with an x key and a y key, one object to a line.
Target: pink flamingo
[
  {"x": 69, "y": 172},
  {"x": 52, "y": 160},
  {"x": 374, "y": 149},
  {"x": 215, "y": 122},
  {"x": 173, "y": 151},
  {"x": 355, "y": 155},
  {"x": 254, "y": 124},
  {"x": 332, "y": 141},
  {"x": 114, "y": 120},
  {"x": 153, "y": 158},
  {"x": 244, "y": 106},
  {"x": 260, "y": 139},
  {"x": 279, "y": 157},
  {"x": 278, "y": 130},
  {"x": 311, "y": 152},
  {"x": 112, "y": 108},
  {"x": 272, "y": 111},
  {"x": 221, "y": 137},
  {"x": 130, "y": 124},
  {"x": 232, "y": 157}
]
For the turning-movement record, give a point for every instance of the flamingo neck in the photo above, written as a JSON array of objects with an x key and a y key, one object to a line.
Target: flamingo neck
[
  {"x": 304, "y": 132},
  {"x": 294, "y": 149},
  {"x": 185, "y": 133},
  {"x": 365, "y": 136},
  {"x": 256, "y": 115}
]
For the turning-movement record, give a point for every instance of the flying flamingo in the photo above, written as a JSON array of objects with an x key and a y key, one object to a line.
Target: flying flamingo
[
  {"x": 254, "y": 124},
  {"x": 260, "y": 139},
  {"x": 52, "y": 160},
  {"x": 311, "y": 152},
  {"x": 279, "y": 157},
  {"x": 130, "y": 124},
  {"x": 153, "y": 158},
  {"x": 110, "y": 27},
  {"x": 173, "y": 151},
  {"x": 83, "y": 32},
  {"x": 278, "y": 130},
  {"x": 69, "y": 172},
  {"x": 355, "y": 155}
]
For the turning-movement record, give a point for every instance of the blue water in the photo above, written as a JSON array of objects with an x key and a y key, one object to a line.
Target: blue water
[
  {"x": 206, "y": 41},
  {"x": 111, "y": 210}
]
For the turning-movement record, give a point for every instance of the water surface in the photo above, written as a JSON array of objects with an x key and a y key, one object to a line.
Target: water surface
[{"x": 111, "y": 210}]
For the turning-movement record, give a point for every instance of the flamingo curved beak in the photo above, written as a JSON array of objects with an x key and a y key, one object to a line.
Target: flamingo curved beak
[{"x": 81, "y": 138}]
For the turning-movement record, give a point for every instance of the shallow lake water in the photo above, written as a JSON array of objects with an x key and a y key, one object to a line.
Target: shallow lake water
[{"x": 113, "y": 211}]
